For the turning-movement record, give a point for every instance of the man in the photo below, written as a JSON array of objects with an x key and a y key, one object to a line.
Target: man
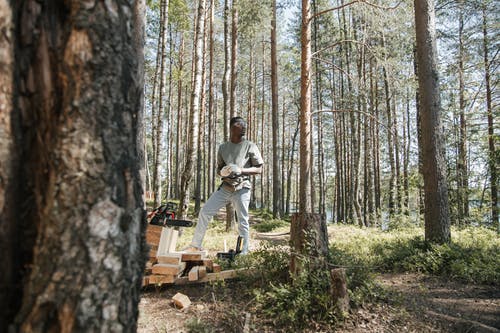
[{"x": 237, "y": 160}]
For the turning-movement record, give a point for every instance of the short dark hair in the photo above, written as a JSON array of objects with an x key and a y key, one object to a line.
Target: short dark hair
[{"x": 235, "y": 120}]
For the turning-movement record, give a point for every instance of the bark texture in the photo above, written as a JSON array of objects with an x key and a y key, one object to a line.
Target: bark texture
[
  {"x": 437, "y": 223},
  {"x": 8, "y": 166},
  {"x": 308, "y": 238},
  {"x": 305, "y": 204},
  {"x": 76, "y": 114}
]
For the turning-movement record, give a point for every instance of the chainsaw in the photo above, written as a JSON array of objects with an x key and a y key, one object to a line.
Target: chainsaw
[{"x": 164, "y": 216}]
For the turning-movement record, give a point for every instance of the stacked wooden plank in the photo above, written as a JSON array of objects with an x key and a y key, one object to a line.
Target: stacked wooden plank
[
  {"x": 179, "y": 267},
  {"x": 153, "y": 235}
]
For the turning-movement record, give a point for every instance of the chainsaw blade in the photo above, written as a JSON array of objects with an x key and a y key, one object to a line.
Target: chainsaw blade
[{"x": 178, "y": 223}]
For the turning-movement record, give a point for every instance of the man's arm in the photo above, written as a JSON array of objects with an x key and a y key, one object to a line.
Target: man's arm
[
  {"x": 254, "y": 170},
  {"x": 220, "y": 161}
]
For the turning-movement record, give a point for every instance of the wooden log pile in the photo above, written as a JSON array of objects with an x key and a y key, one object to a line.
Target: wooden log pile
[{"x": 179, "y": 267}]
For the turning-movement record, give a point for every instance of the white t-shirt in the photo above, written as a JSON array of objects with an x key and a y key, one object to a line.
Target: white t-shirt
[{"x": 244, "y": 154}]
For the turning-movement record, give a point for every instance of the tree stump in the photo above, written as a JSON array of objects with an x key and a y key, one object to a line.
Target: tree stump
[
  {"x": 307, "y": 228},
  {"x": 338, "y": 290}
]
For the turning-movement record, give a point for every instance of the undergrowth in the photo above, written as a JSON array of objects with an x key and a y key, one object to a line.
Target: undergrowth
[{"x": 293, "y": 303}]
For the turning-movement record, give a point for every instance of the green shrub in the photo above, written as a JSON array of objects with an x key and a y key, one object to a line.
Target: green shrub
[
  {"x": 473, "y": 256},
  {"x": 303, "y": 300},
  {"x": 269, "y": 225}
]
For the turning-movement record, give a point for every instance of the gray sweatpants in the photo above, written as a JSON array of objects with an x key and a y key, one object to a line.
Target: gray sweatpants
[{"x": 240, "y": 200}]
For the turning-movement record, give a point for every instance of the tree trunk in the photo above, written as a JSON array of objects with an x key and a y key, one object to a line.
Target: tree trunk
[
  {"x": 308, "y": 238},
  {"x": 229, "y": 84},
  {"x": 158, "y": 122},
  {"x": 180, "y": 104},
  {"x": 10, "y": 251},
  {"x": 201, "y": 134},
  {"x": 305, "y": 110},
  {"x": 339, "y": 291},
  {"x": 462, "y": 172},
  {"x": 211, "y": 103},
  {"x": 275, "y": 117},
  {"x": 437, "y": 224},
  {"x": 234, "y": 58},
  {"x": 192, "y": 145},
  {"x": 493, "y": 158},
  {"x": 77, "y": 253}
]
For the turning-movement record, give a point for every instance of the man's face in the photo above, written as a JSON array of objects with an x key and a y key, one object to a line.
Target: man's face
[{"x": 237, "y": 129}]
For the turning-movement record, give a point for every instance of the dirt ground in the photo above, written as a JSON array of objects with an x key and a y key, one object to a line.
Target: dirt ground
[{"x": 419, "y": 303}]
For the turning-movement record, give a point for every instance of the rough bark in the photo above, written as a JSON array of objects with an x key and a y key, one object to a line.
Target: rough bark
[
  {"x": 80, "y": 239},
  {"x": 9, "y": 180},
  {"x": 158, "y": 120},
  {"x": 308, "y": 238},
  {"x": 194, "y": 110},
  {"x": 305, "y": 205},
  {"x": 492, "y": 155},
  {"x": 339, "y": 291},
  {"x": 437, "y": 224},
  {"x": 462, "y": 172},
  {"x": 277, "y": 211}
]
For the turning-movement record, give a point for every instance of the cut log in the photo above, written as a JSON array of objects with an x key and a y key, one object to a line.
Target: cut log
[
  {"x": 202, "y": 272},
  {"x": 153, "y": 233},
  {"x": 193, "y": 273},
  {"x": 216, "y": 268},
  {"x": 168, "y": 269},
  {"x": 171, "y": 258},
  {"x": 209, "y": 264},
  {"x": 193, "y": 256},
  {"x": 181, "y": 301},
  {"x": 145, "y": 281},
  {"x": 223, "y": 275},
  {"x": 339, "y": 291},
  {"x": 161, "y": 279}
]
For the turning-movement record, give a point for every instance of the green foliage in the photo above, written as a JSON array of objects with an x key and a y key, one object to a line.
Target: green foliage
[
  {"x": 473, "y": 256},
  {"x": 195, "y": 325},
  {"x": 178, "y": 14},
  {"x": 304, "y": 300},
  {"x": 402, "y": 222},
  {"x": 269, "y": 225}
]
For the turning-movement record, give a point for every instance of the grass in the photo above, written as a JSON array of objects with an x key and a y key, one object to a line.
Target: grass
[{"x": 473, "y": 257}]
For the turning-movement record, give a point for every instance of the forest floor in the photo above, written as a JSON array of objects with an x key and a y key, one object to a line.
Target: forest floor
[{"x": 418, "y": 303}]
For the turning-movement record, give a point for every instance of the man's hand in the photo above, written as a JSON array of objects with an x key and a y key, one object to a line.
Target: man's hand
[{"x": 231, "y": 170}]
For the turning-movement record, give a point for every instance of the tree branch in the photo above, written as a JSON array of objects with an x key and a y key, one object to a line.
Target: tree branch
[{"x": 352, "y": 3}]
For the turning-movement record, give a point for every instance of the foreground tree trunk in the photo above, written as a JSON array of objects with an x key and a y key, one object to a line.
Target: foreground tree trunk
[
  {"x": 437, "y": 222},
  {"x": 306, "y": 227},
  {"x": 75, "y": 248}
]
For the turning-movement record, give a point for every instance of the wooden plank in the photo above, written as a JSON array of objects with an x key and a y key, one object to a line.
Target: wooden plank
[
  {"x": 223, "y": 275},
  {"x": 168, "y": 269},
  {"x": 202, "y": 271},
  {"x": 145, "y": 281},
  {"x": 171, "y": 258},
  {"x": 209, "y": 264},
  {"x": 168, "y": 241},
  {"x": 152, "y": 238},
  {"x": 160, "y": 279},
  {"x": 181, "y": 301},
  {"x": 152, "y": 251},
  {"x": 216, "y": 268},
  {"x": 193, "y": 273},
  {"x": 193, "y": 256}
]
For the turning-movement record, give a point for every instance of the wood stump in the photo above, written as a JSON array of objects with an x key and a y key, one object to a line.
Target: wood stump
[
  {"x": 308, "y": 237},
  {"x": 338, "y": 290}
]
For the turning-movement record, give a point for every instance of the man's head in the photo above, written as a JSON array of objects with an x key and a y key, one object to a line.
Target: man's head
[{"x": 238, "y": 127}]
